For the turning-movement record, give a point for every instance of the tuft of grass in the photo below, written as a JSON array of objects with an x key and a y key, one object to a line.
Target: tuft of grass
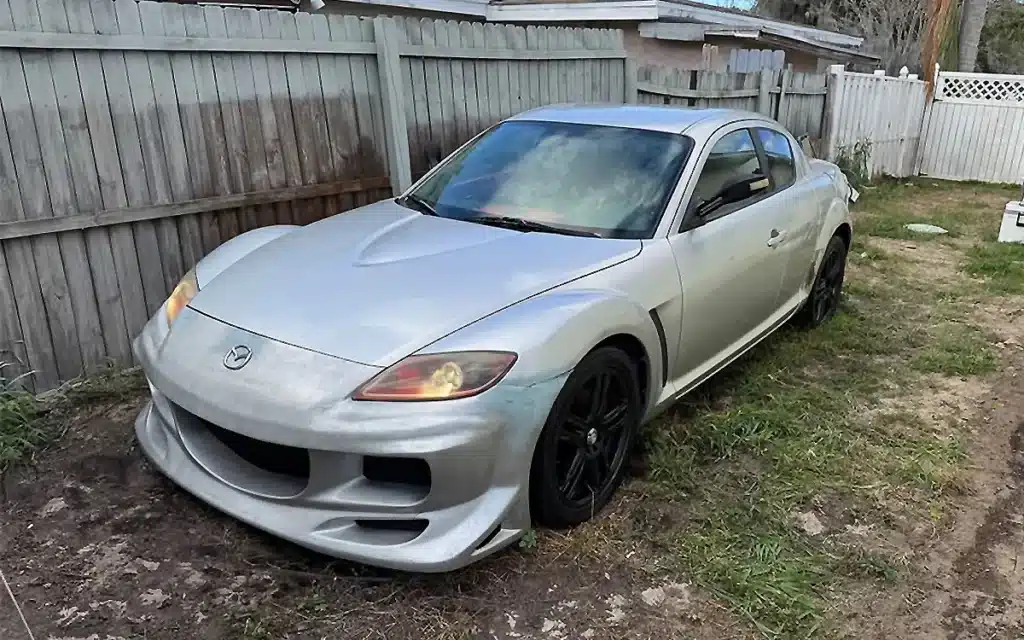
[
  {"x": 853, "y": 161},
  {"x": 958, "y": 350},
  {"x": 22, "y": 431},
  {"x": 1001, "y": 264}
]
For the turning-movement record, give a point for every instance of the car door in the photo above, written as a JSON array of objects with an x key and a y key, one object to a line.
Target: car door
[
  {"x": 729, "y": 269},
  {"x": 798, "y": 207}
]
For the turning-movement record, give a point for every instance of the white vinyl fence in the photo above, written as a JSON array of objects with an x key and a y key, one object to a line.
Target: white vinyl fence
[
  {"x": 974, "y": 129},
  {"x": 878, "y": 114}
]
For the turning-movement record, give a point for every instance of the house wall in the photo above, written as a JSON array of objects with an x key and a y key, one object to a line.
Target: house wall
[{"x": 689, "y": 55}]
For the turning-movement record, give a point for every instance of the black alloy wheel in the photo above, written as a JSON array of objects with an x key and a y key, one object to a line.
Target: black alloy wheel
[
  {"x": 583, "y": 451},
  {"x": 826, "y": 292}
]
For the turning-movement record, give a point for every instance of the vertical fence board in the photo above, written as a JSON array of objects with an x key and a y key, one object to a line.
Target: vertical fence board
[
  {"x": 30, "y": 342},
  {"x": 234, "y": 133},
  {"x": 287, "y": 151},
  {"x": 176, "y": 155},
  {"x": 301, "y": 98},
  {"x": 370, "y": 153},
  {"x": 13, "y": 358},
  {"x": 537, "y": 87},
  {"x": 225, "y": 225},
  {"x": 448, "y": 36},
  {"x": 25, "y": 99},
  {"x": 242, "y": 23},
  {"x": 336, "y": 73},
  {"x": 194, "y": 130},
  {"x": 157, "y": 242},
  {"x": 375, "y": 96},
  {"x": 496, "y": 37},
  {"x": 436, "y": 89},
  {"x": 70, "y": 152},
  {"x": 104, "y": 125},
  {"x": 417, "y": 110}
]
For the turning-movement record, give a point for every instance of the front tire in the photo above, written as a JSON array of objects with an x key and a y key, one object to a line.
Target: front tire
[
  {"x": 823, "y": 303},
  {"x": 583, "y": 452}
]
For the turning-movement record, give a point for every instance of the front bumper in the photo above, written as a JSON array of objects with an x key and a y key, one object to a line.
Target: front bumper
[{"x": 228, "y": 436}]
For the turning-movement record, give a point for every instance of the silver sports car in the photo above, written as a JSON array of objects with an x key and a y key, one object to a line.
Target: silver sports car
[{"x": 413, "y": 383}]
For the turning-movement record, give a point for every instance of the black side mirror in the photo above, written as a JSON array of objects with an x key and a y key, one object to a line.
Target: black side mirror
[{"x": 734, "y": 191}]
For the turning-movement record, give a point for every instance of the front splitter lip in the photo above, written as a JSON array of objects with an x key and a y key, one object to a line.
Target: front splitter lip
[{"x": 442, "y": 547}]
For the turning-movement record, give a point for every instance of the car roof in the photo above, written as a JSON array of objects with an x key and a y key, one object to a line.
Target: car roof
[{"x": 669, "y": 119}]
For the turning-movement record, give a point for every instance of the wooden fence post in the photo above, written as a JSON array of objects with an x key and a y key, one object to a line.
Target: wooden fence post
[
  {"x": 764, "y": 92},
  {"x": 631, "y": 96},
  {"x": 834, "y": 107},
  {"x": 784, "y": 82},
  {"x": 930, "y": 95},
  {"x": 395, "y": 128}
]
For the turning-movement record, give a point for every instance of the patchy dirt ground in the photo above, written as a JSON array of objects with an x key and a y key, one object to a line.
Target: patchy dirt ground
[
  {"x": 970, "y": 585},
  {"x": 97, "y": 546}
]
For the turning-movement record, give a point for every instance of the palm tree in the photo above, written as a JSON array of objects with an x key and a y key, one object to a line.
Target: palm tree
[{"x": 972, "y": 20}]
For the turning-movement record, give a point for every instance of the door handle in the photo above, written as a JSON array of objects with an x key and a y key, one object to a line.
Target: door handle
[{"x": 776, "y": 237}]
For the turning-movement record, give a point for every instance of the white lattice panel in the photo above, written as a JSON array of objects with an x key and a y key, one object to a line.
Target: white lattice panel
[{"x": 981, "y": 88}]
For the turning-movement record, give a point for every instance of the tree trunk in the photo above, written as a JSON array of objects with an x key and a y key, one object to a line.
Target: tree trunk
[{"x": 972, "y": 20}]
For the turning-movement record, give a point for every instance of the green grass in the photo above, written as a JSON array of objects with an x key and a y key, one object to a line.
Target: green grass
[
  {"x": 963, "y": 209},
  {"x": 21, "y": 430},
  {"x": 795, "y": 426},
  {"x": 1000, "y": 264},
  {"x": 958, "y": 350},
  {"x": 776, "y": 433}
]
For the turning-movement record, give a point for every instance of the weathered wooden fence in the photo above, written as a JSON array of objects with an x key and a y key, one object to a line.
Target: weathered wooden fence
[
  {"x": 974, "y": 128},
  {"x": 881, "y": 113},
  {"x": 137, "y": 136},
  {"x": 797, "y": 100}
]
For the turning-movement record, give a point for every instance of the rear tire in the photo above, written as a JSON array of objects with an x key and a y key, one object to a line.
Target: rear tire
[
  {"x": 827, "y": 289},
  {"x": 583, "y": 452}
]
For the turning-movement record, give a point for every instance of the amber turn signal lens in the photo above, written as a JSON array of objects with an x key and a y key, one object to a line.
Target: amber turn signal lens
[{"x": 181, "y": 296}]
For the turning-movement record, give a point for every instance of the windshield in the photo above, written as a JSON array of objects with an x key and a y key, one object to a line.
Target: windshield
[{"x": 606, "y": 180}]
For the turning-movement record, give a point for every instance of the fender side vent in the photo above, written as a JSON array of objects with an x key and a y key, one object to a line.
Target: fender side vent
[{"x": 660, "y": 328}]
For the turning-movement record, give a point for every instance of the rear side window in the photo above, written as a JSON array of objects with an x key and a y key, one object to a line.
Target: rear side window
[{"x": 781, "y": 165}]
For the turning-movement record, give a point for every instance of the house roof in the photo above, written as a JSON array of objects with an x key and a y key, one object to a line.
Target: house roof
[
  {"x": 537, "y": 10},
  {"x": 769, "y": 35},
  {"x": 623, "y": 10}
]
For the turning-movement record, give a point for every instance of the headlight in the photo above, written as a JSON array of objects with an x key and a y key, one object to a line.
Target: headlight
[
  {"x": 181, "y": 296},
  {"x": 438, "y": 376}
]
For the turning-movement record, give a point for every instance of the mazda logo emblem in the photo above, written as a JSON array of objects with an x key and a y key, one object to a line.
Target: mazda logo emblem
[{"x": 238, "y": 357}]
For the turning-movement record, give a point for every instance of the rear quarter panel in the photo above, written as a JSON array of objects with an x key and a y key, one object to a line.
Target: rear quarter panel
[{"x": 831, "y": 191}]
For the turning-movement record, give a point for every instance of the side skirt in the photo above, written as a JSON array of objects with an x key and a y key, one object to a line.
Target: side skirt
[{"x": 725, "y": 362}]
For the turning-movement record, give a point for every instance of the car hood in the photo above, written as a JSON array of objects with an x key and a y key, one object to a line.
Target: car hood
[{"x": 380, "y": 282}]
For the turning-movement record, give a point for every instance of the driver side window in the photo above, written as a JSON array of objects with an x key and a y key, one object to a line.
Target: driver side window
[{"x": 732, "y": 159}]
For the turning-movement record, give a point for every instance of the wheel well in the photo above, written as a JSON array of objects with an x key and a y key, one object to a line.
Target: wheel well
[
  {"x": 846, "y": 233},
  {"x": 632, "y": 346}
]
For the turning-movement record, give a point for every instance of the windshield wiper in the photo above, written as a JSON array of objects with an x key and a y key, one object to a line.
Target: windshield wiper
[
  {"x": 521, "y": 224},
  {"x": 418, "y": 203}
]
